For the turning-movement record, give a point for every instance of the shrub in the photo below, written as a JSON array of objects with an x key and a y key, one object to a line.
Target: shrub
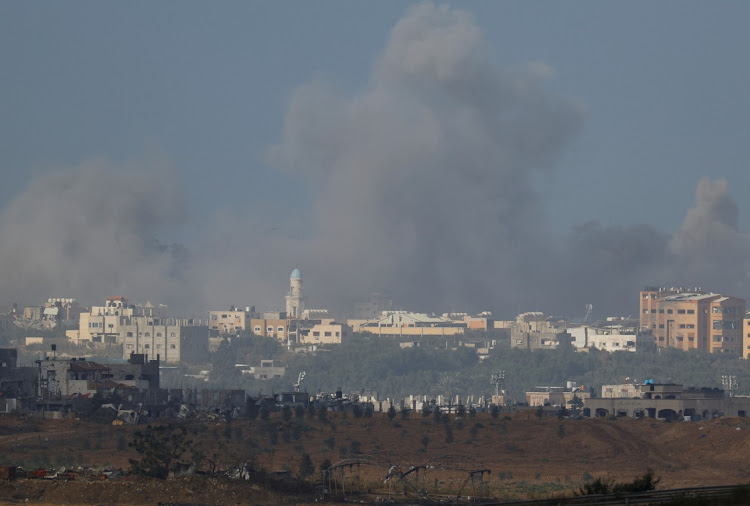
[{"x": 306, "y": 466}]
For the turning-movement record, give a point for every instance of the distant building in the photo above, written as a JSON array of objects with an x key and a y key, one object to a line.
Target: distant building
[
  {"x": 668, "y": 402},
  {"x": 322, "y": 332},
  {"x": 555, "y": 396},
  {"x": 408, "y": 324},
  {"x": 693, "y": 320},
  {"x": 142, "y": 330},
  {"x": 265, "y": 371},
  {"x": 232, "y": 322},
  {"x": 534, "y": 331}
]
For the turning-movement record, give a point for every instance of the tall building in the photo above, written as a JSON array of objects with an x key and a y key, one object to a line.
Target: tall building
[
  {"x": 295, "y": 301},
  {"x": 693, "y": 320}
]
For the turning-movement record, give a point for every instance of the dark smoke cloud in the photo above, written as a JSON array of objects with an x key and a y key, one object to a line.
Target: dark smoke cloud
[
  {"x": 91, "y": 231},
  {"x": 424, "y": 178}
]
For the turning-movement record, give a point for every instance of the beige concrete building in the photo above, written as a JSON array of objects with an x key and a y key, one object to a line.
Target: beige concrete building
[
  {"x": 141, "y": 330},
  {"x": 171, "y": 339},
  {"x": 534, "y": 331},
  {"x": 231, "y": 322},
  {"x": 270, "y": 327},
  {"x": 407, "y": 324},
  {"x": 693, "y": 320},
  {"x": 669, "y": 402},
  {"x": 325, "y": 332}
]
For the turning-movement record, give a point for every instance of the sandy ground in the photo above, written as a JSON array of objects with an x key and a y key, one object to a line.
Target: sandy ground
[{"x": 521, "y": 456}]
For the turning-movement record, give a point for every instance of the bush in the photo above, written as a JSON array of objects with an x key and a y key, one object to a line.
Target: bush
[
  {"x": 608, "y": 486},
  {"x": 160, "y": 449}
]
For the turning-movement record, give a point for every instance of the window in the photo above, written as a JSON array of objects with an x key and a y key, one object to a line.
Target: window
[
  {"x": 717, "y": 339},
  {"x": 645, "y": 311},
  {"x": 316, "y": 334},
  {"x": 669, "y": 311},
  {"x": 653, "y": 311},
  {"x": 691, "y": 311},
  {"x": 158, "y": 334},
  {"x": 680, "y": 311},
  {"x": 645, "y": 296},
  {"x": 257, "y": 329},
  {"x": 661, "y": 311},
  {"x": 223, "y": 316},
  {"x": 172, "y": 346},
  {"x": 716, "y": 310},
  {"x": 269, "y": 330},
  {"x": 148, "y": 334},
  {"x": 213, "y": 317},
  {"x": 661, "y": 325},
  {"x": 280, "y": 329},
  {"x": 682, "y": 325},
  {"x": 172, "y": 334},
  {"x": 130, "y": 334},
  {"x": 147, "y": 346},
  {"x": 338, "y": 334},
  {"x": 679, "y": 338},
  {"x": 328, "y": 334}
]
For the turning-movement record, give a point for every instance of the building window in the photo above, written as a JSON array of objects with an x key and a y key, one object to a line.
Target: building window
[
  {"x": 717, "y": 339},
  {"x": 147, "y": 346},
  {"x": 316, "y": 333},
  {"x": 669, "y": 311},
  {"x": 130, "y": 334},
  {"x": 680, "y": 311},
  {"x": 158, "y": 334},
  {"x": 148, "y": 334},
  {"x": 172, "y": 334},
  {"x": 661, "y": 325},
  {"x": 661, "y": 311},
  {"x": 328, "y": 334},
  {"x": 269, "y": 330},
  {"x": 645, "y": 311},
  {"x": 280, "y": 329},
  {"x": 172, "y": 346},
  {"x": 653, "y": 311},
  {"x": 257, "y": 328},
  {"x": 691, "y": 311}
]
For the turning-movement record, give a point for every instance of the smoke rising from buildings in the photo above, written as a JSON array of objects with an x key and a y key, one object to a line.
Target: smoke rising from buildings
[
  {"x": 91, "y": 231},
  {"x": 423, "y": 186}
]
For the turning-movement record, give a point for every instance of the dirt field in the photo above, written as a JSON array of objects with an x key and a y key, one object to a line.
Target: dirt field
[{"x": 526, "y": 456}]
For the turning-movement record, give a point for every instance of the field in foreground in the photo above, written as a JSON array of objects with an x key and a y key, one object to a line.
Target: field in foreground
[{"x": 526, "y": 456}]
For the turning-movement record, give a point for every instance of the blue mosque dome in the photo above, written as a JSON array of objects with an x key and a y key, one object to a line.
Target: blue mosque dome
[{"x": 296, "y": 274}]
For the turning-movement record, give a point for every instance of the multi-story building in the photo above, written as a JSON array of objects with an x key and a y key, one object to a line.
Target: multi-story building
[
  {"x": 171, "y": 340},
  {"x": 142, "y": 330},
  {"x": 232, "y": 322},
  {"x": 271, "y": 325},
  {"x": 534, "y": 331},
  {"x": 323, "y": 332},
  {"x": 690, "y": 320}
]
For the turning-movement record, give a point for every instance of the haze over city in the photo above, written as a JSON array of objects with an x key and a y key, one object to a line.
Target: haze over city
[{"x": 460, "y": 157}]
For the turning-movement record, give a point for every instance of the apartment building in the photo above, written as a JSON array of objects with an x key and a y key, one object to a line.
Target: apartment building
[
  {"x": 231, "y": 322},
  {"x": 689, "y": 320},
  {"x": 142, "y": 330}
]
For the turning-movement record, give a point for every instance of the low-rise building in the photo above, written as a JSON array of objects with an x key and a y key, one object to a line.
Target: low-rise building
[
  {"x": 669, "y": 402},
  {"x": 408, "y": 324},
  {"x": 534, "y": 331}
]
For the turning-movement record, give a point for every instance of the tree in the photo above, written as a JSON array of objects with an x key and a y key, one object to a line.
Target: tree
[
  {"x": 160, "y": 449},
  {"x": 576, "y": 404},
  {"x": 391, "y": 412},
  {"x": 460, "y": 411},
  {"x": 286, "y": 413},
  {"x": 495, "y": 411},
  {"x": 539, "y": 412},
  {"x": 306, "y": 466}
]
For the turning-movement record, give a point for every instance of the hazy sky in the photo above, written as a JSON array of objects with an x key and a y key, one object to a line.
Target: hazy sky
[{"x": 636, "y": 102}]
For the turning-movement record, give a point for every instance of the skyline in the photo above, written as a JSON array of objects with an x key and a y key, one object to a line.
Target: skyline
[{"x": 462, "y": 174}]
